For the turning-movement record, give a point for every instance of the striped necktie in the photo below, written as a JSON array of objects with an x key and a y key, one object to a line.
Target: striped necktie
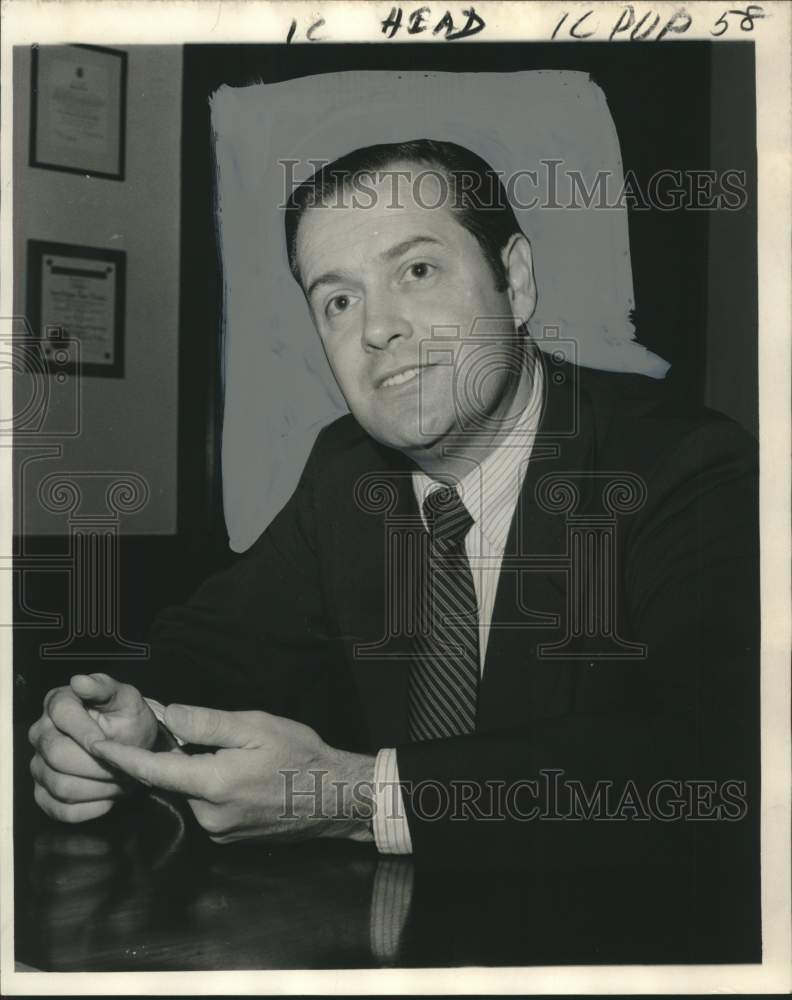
[{"x": 444, "y": 676}]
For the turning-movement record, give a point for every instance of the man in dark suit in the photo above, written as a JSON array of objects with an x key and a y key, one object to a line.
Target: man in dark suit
[{"x": 510, "y": 613}]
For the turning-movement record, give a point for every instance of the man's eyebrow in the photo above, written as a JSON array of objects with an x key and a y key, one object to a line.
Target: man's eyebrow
[
  {"x": 339, "y": 278},
  {"x": 328, "y": 278},
  {"x": 405, "y": 245}
]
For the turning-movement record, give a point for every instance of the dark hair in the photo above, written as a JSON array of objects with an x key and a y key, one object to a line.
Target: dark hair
[{"x": 478, "y": 198}]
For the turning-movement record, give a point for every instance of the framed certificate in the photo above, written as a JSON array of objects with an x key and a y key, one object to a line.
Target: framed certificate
[
  {"x": 78, "y": 109},
  {"x": 78, "y": 293}
]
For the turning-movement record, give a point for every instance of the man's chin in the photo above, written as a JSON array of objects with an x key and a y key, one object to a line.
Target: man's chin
[
  {"x": 408, "y": 425},
  {"x": 409, "y": 438}
]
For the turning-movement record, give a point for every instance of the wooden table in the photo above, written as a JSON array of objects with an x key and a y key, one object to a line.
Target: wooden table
[{"x": 144, "y": 889}]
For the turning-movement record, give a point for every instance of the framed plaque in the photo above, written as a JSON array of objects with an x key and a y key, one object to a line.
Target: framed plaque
[
  {"x": 78, "y": 293},
  {"x": 78, "y": 109}
]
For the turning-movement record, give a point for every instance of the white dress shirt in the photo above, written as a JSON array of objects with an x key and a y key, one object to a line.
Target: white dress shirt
[{"x": 490, "y": 492}]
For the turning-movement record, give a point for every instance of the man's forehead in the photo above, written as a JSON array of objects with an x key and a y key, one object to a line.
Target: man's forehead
[{"x": 368, "y": 219}]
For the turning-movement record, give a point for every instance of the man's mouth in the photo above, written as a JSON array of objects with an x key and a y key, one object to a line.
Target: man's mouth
[{"x": 400, "y": 377}]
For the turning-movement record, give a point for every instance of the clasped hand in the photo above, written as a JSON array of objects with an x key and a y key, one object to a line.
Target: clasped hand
[{"x": 269, "y": 776}]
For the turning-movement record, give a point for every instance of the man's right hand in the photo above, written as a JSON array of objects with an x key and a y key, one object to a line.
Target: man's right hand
[{"x": 69, "y": 783}]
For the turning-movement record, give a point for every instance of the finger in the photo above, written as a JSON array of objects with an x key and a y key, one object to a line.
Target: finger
[
  {"x": 172, "y": 772},
  {"x": 35, "y": 731},
  {"x": 43, "y": 727},
  {"x": 80, "y": 813},
  {"x": 102, "y": 691},
  {"x": 66, "y": 788},
  {"x": 69, "y": 716},
  {"x": 210, "y": 817},
  {"x": 64, "y": 755},
  {"x": 212, "y": 728}
]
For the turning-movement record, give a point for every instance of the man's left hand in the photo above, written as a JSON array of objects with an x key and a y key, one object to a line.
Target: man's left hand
[{"x": 272, "y": 777}]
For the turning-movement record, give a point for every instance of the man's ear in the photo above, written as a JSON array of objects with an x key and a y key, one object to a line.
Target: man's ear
[{"x": 518, "y": 263}]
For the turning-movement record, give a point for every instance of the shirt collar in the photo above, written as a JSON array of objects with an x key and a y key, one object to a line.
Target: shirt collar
[{"x": 491, "y": 489}]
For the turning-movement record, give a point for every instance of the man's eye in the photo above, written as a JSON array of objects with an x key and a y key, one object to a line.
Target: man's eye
[
  {"x": 338, "y": 304},
  {"x": 419, "y": 270}
]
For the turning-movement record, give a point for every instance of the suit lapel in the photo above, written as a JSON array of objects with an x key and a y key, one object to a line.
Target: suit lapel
[{"x": 376, "y": 518}]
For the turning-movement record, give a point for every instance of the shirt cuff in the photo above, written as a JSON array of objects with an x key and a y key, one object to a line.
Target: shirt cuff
[
  {"x": 159, "y": 714},
  {"x": 391, "y": 831}
]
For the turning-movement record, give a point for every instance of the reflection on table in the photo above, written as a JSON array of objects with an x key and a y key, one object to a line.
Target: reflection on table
[{"x": 144, "y": 889}]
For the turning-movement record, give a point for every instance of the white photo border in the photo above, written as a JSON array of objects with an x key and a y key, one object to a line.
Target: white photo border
[{"x": 121, "y": 22}]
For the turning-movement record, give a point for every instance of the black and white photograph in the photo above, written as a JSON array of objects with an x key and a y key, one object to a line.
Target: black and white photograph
[{"x": 396, "y": 564}]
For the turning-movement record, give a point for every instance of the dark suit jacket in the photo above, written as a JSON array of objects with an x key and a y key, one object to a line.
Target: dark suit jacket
[{"x": 666, "y": 687}]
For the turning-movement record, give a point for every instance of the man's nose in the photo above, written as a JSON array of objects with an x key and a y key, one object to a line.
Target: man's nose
[{"x": 383, "y": 324}]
